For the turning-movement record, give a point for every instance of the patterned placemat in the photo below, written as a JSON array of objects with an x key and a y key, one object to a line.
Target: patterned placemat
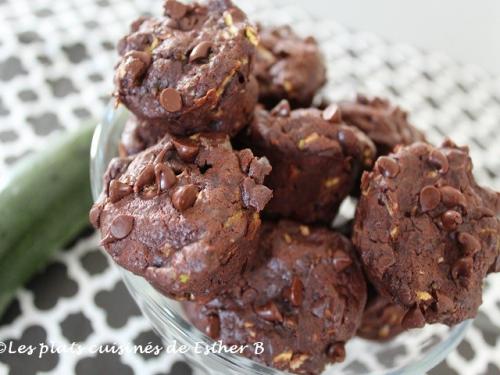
[{"x": 56, "y": 61}]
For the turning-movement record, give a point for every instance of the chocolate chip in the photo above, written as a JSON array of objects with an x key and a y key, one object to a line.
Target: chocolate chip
[
  {"x": 384, "y": 262},
  {"x": 129, "y": 72},
  {"x": 186, "y": 148},
  {"x": 255, "y": 196},
  {"x": 282, "y": 109},
  {"x": 135, "y": 25},
  {"x": 249, "y": 295},
  {"x": 348, "y": 140},
  {"x": 429, "y": 198},
  {"x": 200, "y": 52},
  {"x": 341, "y": 260},
  {"x": 320, "y": 307},
  {"x": 94, "y": 215},
  {"x": 444, "y": 303},
  {"x": 365, "y": 182},
  {"x": 175, "y": 9},
  {"x": 462, "y": 270},
  {"x": 413, "y": 319},
  {"x": 259, "y": 169},
  {"x": 118, "y": 190},
  {"x": 237, "y": 15},
  {"x": 165, "y": 177},
  {"x": 269, "y": 312},
  {"x": 451, "y": 220},
  {"x": 470, "y": 244},
  {"x": 132, "y": 67},
  {"x": 310, "y": 40},
  {"x": 452, "y": 197},
  {"x": 291, "y": 322},
  {"x": 144, "y": 57},
  {"x": 121, "y": 226},
  {"x": 164, "y": 154},
  {"x": 448, "y": 143},
  {"x": 213, "y": 327},
  {"x": 246, "y": 157},
  {"x": 406, "y": 296},
  {"x": 187, "y": 23},
  {"x": 332, "y": 114},
  {"x": 388, "y": 166},
  {"x": 362, "y": 99},
  {"x": 145, "y": 178},
  {"x": 383, "y": 103},
  {"x": 439, "y": 160},
  {"x": 116, "y": 168},
  {"x": 296, "y": 291},
  {"x": 336, "y": 352},
  {"x": 171, "y": 100},
  {"x": 149, "y": 193},
  {"x": 457, "y": 159},
  {"x": 184, "y": 197}
]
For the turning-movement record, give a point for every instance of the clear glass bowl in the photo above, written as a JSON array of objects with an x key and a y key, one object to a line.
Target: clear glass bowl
[{"x": 413, "y": 352}]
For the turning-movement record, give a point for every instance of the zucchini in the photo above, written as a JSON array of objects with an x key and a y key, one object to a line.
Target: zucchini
[{"x": 44, "y": 204}]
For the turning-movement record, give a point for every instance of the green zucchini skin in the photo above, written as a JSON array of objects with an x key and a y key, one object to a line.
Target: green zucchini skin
[{"x": 44, "y": 204}]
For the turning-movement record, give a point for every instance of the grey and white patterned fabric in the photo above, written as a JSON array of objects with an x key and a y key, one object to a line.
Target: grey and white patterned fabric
[{"x": 56, "y": 62}]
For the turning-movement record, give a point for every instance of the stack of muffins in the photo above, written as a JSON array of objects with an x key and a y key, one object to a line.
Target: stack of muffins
[{"x": 228, "y": 182}]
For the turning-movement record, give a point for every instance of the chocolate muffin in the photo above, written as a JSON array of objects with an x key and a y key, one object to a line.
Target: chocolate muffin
[
  {"x": 385, "y": 124},
  {"x": 184, "y": 214},
  {"x": 303, "y": 300},
  {"x": 288, "y": 67},
  {"x": 381, "y": 319},
  {"x": 190, "y": 70},
  {"x": 427, "y": 232},
  {"x": 316, "y": 160}
]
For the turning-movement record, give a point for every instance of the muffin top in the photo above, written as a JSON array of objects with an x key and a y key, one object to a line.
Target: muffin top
[
  {"x": 183, "y": 213},
  {"x": 303, "y": 299},
  {"x": 316, "y": 160},
  {"x": 179, "y": 66},
  {"x": 427, "y": 233},
  {"x": 288, "y": 67},
  {"x": 387, "y": 125}
]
